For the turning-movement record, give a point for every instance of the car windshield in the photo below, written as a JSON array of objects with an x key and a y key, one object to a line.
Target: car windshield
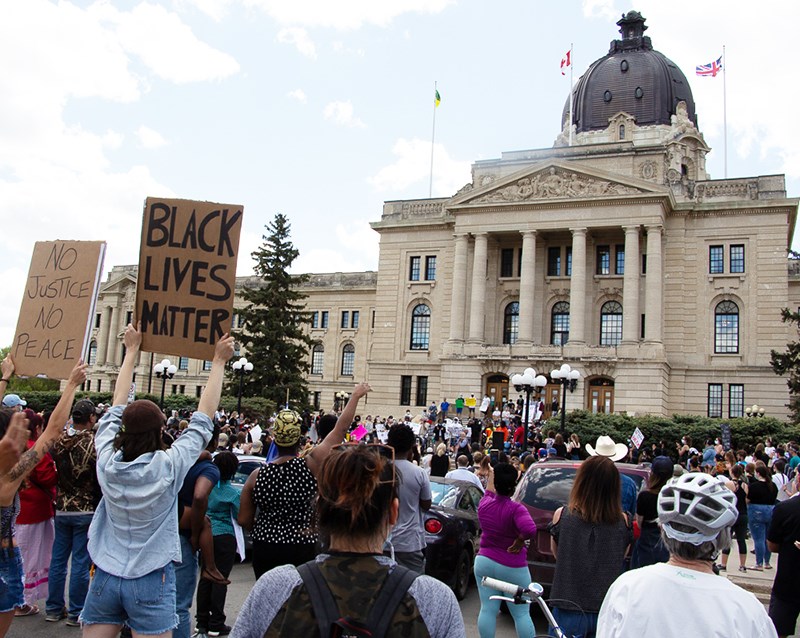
[
  {"x": 444, "y": 494},
  {"x": 548, "y": 488},
  {"x": 244, "y": 470}
]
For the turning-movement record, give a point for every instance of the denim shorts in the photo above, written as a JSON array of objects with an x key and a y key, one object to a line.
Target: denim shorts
[
  {"x": 146, "y": 604},
  {"x": 12, "y": 587}
]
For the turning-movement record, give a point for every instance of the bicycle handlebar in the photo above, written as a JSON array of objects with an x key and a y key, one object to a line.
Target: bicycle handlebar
[{"x": 501, "y": 585}]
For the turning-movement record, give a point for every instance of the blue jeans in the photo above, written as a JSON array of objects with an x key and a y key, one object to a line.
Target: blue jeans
[
  {"x": 487, "y": 617},
  {"x": 185, "y": 584},
  {"x": 577, "y": 624},
  {"x": 759, "y": 518},
  {"x": 72, "y": 537}
]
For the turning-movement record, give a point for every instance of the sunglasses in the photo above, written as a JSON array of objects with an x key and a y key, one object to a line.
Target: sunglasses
[{"x": 379, "y": 449}]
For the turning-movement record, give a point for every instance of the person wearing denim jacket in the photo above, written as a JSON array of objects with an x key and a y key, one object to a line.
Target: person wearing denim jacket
[{"x": 133, "y": 539}]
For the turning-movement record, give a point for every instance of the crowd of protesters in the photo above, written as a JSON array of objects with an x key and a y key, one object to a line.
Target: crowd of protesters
[{"x": 138, "y": 501}]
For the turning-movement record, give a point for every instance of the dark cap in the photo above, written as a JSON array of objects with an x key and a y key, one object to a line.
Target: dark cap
[
  {"x": 82, "y": 410},
  {"x": 662, "y": 466},
  {"x": 142, "y": 416}
]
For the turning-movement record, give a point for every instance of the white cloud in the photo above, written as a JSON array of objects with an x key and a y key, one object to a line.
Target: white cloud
[
  {"x": 299, "y": 95},
  {"x": 345, "y": 14},
  {"x": 342, "y": 113},
  {"x": 148, "y": 138},
  {"x": 413, "y": 166},
  {"x": 164, "y": 43},
  {"x": 214, "y": 9},
  {"x": 300, "y": 39},
  {"x": 600, "y": 9}
]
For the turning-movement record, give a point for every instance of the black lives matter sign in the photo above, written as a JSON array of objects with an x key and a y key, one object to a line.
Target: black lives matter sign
[
  {"x": 57, "y": 307},
  {"x": 187, "y": 275}
]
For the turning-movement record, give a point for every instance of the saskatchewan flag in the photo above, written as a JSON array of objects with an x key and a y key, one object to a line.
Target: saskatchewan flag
[{"x": 437, "y": 100}]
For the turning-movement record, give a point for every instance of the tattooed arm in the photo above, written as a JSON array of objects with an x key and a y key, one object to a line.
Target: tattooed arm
[{"x": 58, "y": 418}]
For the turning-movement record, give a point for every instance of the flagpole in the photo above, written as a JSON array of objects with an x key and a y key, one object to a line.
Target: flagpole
[
  {"x": 433, "y": 137},
  {"x": 571, "y": 66},
  {"x": 725, "y": 108}
]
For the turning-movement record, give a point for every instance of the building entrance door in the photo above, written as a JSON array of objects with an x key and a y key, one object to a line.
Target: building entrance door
[
  {"x": 601, "y": 396},
  {"x": 552, "y": 399},
  {"x": 497, "y": 389}
]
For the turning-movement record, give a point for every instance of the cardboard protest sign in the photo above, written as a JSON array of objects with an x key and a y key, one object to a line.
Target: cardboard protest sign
[
  {"x": 187, "y": 275},
  {"x": 55, "y": 318},
  {"x": 637, "y": 438}
]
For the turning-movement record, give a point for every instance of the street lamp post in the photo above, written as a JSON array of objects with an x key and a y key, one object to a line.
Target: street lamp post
[
  {"x": 754, "y": 411},
  {"x": 568, "y": 378},
  {"x": 528, "y": 382},
  {"x": 164, "y": 370},
  {"x": 341, "y": 399},
  {"x": 241, "y": 367}
]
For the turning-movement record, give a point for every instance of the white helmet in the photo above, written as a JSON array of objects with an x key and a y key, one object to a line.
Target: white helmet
[{"x": 696, "y": 501}]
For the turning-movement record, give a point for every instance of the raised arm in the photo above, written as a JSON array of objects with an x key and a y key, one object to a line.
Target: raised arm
[
  {"x": 6, "y": 371},
  {"x": 133, "y": 342},
  {"x": 58, "y": 418},
  {"x": 223, "y": 352}
]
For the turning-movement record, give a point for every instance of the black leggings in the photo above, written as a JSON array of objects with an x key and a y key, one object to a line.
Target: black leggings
[
  {"x": 739, "y": 530},
  {"x": 269, "y": 555}
]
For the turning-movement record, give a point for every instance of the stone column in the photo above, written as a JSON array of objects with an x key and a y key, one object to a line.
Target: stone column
[
  {"x": 654, "y": 311},
  {"x": 630, "y": 287},
  {"x": 102, "y": 335},
  {"x": 577, "y": 292},
  {"x": 115, "y": 344},
  {"x": 477, "y": 314},
  {"x": 459, "y": 295},
  {"x": 527, "y": 286}
]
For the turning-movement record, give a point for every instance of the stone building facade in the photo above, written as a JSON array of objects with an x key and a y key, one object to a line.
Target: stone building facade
[{"x": 617, "y": 254}]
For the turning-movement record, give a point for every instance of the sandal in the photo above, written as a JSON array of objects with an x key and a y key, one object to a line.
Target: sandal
[
  {"x": 26, "y": 610},
  {"x": 767, "y": 566},
  {"x": 742, "y": 568},
  {"x": 757, "y": 568}
]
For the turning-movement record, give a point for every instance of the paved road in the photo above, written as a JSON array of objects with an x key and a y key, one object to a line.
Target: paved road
[{"x": 242, "y": 580}]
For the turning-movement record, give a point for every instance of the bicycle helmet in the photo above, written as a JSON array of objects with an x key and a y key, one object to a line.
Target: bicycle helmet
[{"x": 699, "y": 504}]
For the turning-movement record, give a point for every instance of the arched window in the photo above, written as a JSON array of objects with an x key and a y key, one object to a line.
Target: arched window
[
  {"x": 348, "y": 359},
  {"x": 726, "y": 328},
  {"x": 511, "y": 323},
  {"x": 420, "y": 327},
  {"x": 91, "y": 357},
  {"x": 559, "y": 323},
  {"x": 317, "y": 358},
  {"x": 622, "y": 131},
  {"x": 610, "y": 323}
]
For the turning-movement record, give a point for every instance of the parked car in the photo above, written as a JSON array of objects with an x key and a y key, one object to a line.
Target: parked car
[
  {"x": 248, "y": 463},
  {"x": 546, "y": 487},
  {"x": 452, "y": 532}
]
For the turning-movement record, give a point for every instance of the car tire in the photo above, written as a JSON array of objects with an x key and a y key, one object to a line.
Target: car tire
[{"x": 463, "y": 574}]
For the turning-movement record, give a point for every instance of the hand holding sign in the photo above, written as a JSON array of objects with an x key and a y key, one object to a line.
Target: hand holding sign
[
  {"x": 133, "y": 337},
  {"x": 7, "y": 367},
  {"x": 78, "y": 374},
  {"x": 223, "y": 351}
]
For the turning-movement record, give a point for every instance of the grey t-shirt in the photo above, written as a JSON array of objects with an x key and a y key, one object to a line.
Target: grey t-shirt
[
  {"x": 408, "y": 534},
  {"x": 436, "y": 603}
]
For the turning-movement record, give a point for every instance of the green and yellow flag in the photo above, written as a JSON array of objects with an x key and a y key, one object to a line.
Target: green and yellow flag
[{"x": 437, "y": 100}]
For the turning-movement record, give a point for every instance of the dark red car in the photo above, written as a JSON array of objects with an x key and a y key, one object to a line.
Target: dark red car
[{"x": 546, "y": 487}]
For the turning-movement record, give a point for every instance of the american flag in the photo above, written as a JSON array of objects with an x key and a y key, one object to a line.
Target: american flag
[{"x": 710, "y": 69}]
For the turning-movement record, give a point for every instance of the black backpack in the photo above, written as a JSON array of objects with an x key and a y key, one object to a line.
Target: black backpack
[{"x": 333, "y": 625}]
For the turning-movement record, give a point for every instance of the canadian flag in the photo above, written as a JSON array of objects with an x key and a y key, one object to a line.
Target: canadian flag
[{"x": 566, "y": 61}]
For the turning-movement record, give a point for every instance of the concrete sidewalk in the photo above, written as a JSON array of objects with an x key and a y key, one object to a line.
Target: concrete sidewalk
[{"x": 759, "y": 583}]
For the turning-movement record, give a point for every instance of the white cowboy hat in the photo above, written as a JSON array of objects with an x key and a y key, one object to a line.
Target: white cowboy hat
[{"x": 606, "y": 447}]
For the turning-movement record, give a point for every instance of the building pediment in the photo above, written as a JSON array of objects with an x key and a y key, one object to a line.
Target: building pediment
[
  {"x": 119, "y": 285},
  {"x": 553, "y": 180}
]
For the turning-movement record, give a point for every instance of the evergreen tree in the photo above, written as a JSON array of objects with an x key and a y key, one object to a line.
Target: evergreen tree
[
  {"x": 273, "y": 336},
  {"x": 788, "y": 362}
]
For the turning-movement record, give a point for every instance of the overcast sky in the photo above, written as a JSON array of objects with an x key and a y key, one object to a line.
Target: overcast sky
[{"x": 323, "y": 110}]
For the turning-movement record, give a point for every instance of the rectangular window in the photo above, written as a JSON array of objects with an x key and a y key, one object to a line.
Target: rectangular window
[
  {"x": 354, "y": 319},
  {"x": 198, "y": 390},
  {"x": 641, "y": 328},
  {"x": 507, "y": 262},
  {"x": 430, "y": 268},
  {"x": 97, "y": 318},
  {"x": 206, "y": 366},
  {"x": 182, "y": 389},
  {"x": 317, "y": 399},
  {"x": 174, "y": 389},
  {"x": 735, "y": 400},
  {"x": 715, "y": 400},
  {"x": 619, "y": 262},
  {"x": 315, "y": 319},
  {"x": 603, "y": 260},
  {"x": 405, "y": 390},
  {"x": 99, "y": 383},
  {"x": 716, "y": 260},
  {"x": 324, "y": 320},
  {"x": 737, "y": 258},
  {"x": 519, "y": 262},
  {"x": 345, "y": 318},
  {"x": 240, "y": 321},
  {"x": 413, "y": 268},
  {"x": 644, "y": 264},
  {"x": 554, "y": 261},
  {"x": 422, "y": 391},
  {"x": 568, "y": 270},
  {"x": 183, "y": 363},
  {"x": 373, "y": 319},
  {"x": 129, "y": 317}
]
